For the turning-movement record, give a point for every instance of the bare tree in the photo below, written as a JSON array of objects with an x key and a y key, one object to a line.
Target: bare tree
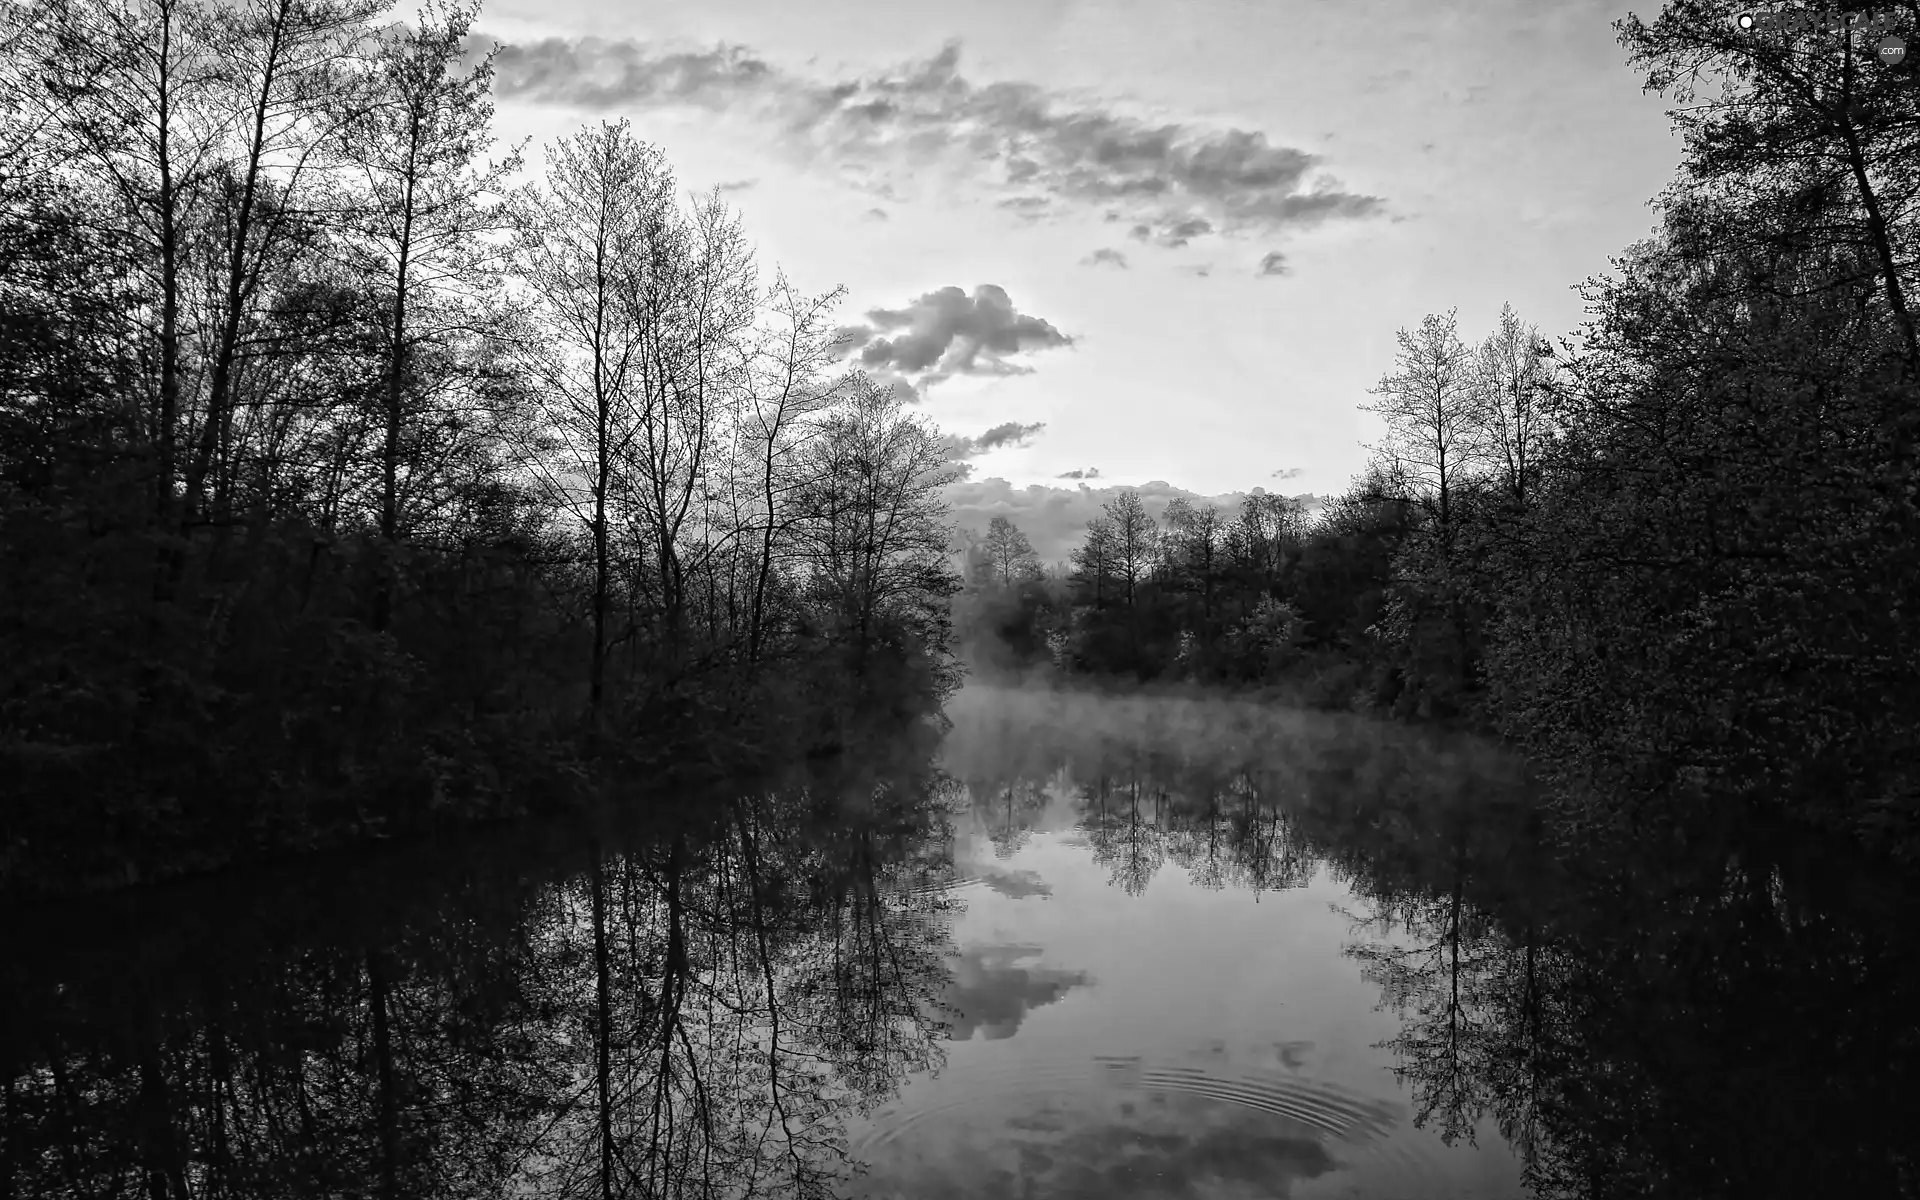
[
  {"x": 584, "y": 245},
  {"x": 1435, "y": 431},
  {"x": 696, "y": 305},
  {"x": 1193, "y": 543},
  {"x": 1259, "y": 537},
  {"x": 1136, "y": 542},
  {"x": 132, "y": 101},
  {"x": 1510, "y": 377},
  {"x": 1008, "y": 555},
  {"x": 282, "y": 81},
  {"x": 876, "y": 521},
  {"x": 1094, "y": 561},
  {"x": 423, "y": 222},
  {"x": 791, "y": 388},
  {"x": 25, "y": 117}
]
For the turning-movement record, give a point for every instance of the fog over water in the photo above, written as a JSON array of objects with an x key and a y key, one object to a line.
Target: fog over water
[{"x": 1156, "y": 992}]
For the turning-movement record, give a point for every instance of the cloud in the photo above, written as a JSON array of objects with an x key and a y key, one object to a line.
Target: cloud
[
  {"x": 1037, "y": 148},
  {"x": 1289, "y": 473},
  {"x": 876, "y": 214},
  {"x": 1055, "y": 518},
  {"x": 1088, "y": 473},
  {"x": 1009, "y": 433},
  {"x": 946, "y": 333},
  {"x": 1385, "y": 81},
  {"x": 1015, "y": 885},
  {"x": 735, "y": 185},
  {"x": 991, "y": 993},
  {"x": 1273, "y": 263},
  {"x": 1171, "y": 234},
  {"x": 1030, "y": 208},
  {"x": 1105, "y": 256}
]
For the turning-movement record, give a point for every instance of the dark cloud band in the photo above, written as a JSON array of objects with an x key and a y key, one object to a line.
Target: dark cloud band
[{"x": 1046, "y": 155}]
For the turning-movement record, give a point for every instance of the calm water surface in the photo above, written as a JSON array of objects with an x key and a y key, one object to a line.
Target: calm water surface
[{"x": 1081, "y": 948}]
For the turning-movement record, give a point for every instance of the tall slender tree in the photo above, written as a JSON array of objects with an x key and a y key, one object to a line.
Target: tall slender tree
[
  {"x": 427, "y": 223},
  {"x": 585, "y": 246},
  {"x": 283, "y": 87},
  {"x": 133, "y": 103},
  {"x": 697, "y": 306},
  {"x": 1511, "y": 375},
  {"x": 792, "y": 386}
]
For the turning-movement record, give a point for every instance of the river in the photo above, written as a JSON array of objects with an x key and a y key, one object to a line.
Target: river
[{"x": 1079, "y": 947}]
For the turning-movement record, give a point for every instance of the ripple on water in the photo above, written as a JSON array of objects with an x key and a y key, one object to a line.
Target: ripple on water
[
  {"x": 1326, "y": 1107},
  {"x": 987, "y": 1111},
  {"x": 939, "y": 887}
]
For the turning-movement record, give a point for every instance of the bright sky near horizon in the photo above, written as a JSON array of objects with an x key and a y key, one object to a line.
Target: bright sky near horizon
[{"x": 1177, "y": 237}]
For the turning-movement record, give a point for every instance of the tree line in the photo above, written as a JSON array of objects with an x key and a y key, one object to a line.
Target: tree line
[
  {"x": 1673, "y": 557},
  {"x": 350, "y": 480}
]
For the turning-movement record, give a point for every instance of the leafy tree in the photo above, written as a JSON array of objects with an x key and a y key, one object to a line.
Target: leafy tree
[
  {"x": 1727, "y": 564},
  {"x": 1717, "y": 560}
]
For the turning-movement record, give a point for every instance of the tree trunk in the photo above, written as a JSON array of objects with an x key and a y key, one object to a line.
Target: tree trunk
[
  {"x": 1877, "y": 228},
  {"x": 603, "y": 1022},
  {"x": 168, "y": 564},
  {"x": 390, "y": 449},
  {"x": 389, "y": 1114}
]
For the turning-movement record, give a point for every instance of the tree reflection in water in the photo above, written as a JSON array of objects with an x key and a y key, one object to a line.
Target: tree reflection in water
[
  {"x": 688, "y": 1010},
  {"x": 699, "y": 1007},
  {"x": 1725, "y": 1016},
  {"x": 1698, "y": 1013}
]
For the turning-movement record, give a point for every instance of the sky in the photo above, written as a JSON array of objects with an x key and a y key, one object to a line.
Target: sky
[{"x": 1112, "y": 243}]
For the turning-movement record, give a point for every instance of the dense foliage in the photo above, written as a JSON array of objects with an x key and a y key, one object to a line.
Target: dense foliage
[
  {"x": 1673, "y": 556},
  {"x": 349, "y": 484}
]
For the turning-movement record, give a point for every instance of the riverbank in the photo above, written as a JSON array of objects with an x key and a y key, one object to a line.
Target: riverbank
[{"x": 65, "y": 835}]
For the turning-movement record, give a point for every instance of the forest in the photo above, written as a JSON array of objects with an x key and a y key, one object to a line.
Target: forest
[
  {"x": 352, "y": 484},
  {"x": 481, "y": 704},
  {"x": 1671, "y": 557}
]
